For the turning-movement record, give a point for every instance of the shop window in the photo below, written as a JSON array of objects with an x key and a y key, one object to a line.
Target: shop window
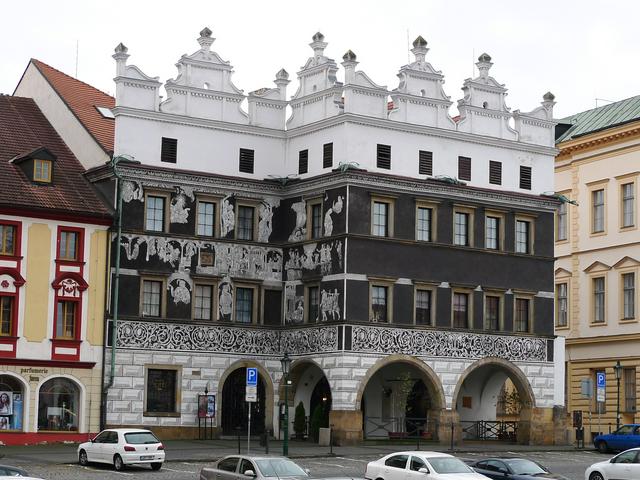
[
  {"x": 161, "y": 391},
  {"x": 59, "y": 405},
  {"x": 11, "y": 403}
]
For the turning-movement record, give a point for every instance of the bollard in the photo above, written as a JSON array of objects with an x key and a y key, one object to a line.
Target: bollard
[
  {"x": 452, "y": 436},
  {"x": 331, "y": 439},
  {"x": 418, "y": 440},
  {"x": 266, "y": 441},
  {"x": 238, "y": 429}
]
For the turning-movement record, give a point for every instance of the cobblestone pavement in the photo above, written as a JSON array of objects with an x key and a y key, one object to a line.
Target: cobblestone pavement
[{"x": 570, "y": 464}]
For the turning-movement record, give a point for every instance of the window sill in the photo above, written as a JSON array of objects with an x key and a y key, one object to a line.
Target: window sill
[
  {"x": 628, "y": 320},
  {"x": 562, "y": 327},
  {"x": 598, "y": 324},
  {"x": 161, "y": 414},
  {"x": 598, "y": 234}
]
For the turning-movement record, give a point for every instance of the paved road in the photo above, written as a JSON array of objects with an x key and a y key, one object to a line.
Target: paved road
[{"x": 570, "y": 464}]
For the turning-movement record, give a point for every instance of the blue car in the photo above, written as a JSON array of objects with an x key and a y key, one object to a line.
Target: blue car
[{"x": 627, "y": 436}]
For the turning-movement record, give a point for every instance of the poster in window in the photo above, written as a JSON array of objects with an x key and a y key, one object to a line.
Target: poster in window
[
  {"x": 5, "y": 423},
  {"x": 6, "y": 403},
  {"x": 206, "y": 406}
]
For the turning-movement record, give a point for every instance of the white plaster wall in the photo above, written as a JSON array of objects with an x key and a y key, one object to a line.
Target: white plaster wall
[{"x": 81, "y": 143}]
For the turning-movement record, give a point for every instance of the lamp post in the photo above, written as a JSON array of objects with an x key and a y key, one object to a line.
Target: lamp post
[
  {"x": 618, "y": 371},
  {"x": 286, "y": 363}
]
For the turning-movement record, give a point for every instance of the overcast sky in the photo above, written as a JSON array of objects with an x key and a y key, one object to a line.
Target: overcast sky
[{"x": 579, "y": 50}]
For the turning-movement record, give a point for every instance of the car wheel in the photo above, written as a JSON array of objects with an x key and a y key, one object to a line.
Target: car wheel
[
  {"x": 596, "y": 476},
  {"x": 82, "y": 458},
  {"x": 156, "y": 466},
  {"x": 118, "y": 464},
  {"x": 602, "y": 446}
]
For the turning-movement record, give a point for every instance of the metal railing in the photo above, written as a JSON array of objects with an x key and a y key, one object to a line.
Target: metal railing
[
  {"x": 490, "y": 430},
  {"x": 395, "y": 428}
]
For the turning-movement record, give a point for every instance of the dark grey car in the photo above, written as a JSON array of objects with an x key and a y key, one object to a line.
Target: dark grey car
[{"x": 507, "y": 468}]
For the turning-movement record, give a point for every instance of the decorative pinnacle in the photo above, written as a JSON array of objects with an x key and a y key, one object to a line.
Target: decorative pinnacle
[
  {"x": 484, "y": 65},
  {"x": 121, "y": 48},
  {"x": 205, "y": 32},
  {"x": 206, "y": 40},
  {"x": 318, "y": 37},
  {"x": 282, "y": 75},
  {"x": 548, "y": 97},
  {"x": 419, "y": 42},
  {"x": 318, "y": 45},
  {"x": 349, "y": 56},
  {"x": 484, "y": 58}
]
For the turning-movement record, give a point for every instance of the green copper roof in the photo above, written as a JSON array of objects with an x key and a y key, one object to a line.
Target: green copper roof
[{"x": 601, "y": 118}]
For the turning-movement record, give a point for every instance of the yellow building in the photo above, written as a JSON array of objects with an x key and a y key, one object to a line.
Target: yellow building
[
  {"x": 598, "y": 262},
  {"x": 53, "y": 255}
]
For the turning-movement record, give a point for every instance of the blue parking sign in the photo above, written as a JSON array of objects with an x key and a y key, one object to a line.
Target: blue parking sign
[
  {"x": 601, "y": 380},
  {"x": 252, "y": 376}
]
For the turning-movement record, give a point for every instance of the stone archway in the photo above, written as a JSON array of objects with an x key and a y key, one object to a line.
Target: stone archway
[
  {"x": 477, "y": 395},
  {"x": 234, "y": 378}
]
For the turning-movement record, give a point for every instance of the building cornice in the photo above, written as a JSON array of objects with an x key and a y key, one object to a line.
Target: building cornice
[
  {"x": 632, "y": 337},
  {"x": 597, "y": 139}
]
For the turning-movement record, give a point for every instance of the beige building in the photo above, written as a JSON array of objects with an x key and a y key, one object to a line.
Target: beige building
[{"x": 598, "y": 261}]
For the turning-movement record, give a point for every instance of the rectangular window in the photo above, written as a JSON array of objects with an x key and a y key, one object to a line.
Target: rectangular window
[
  {"x": 327, "y": 155},
  {"x": 6, "y": 315},
  {"x": 314, "y": 303},
  {"x": 628, "y": 202},
  {"x": 246, "y": 160},
  {"x": 464, "y": 168},
  {"x": 151, "y": 298},
  {"x": 461, "y": 229},
  {"x": 525, "y": 177},
  {"x": 244, "y": 228},
  {"x": 68, "y": 248},
  {"x": 630, "y": 390},
  {"x": 597, "y": 200},
  {"x": 491, "y": 313},
  {"x": 380, "y": 219},
  {"x": 206, "y": 219},
  {"x": 492, "y": 233},
  {"x": 303, "y": 161},
  {"x": 460, "y": 310},
  {"x": 7, "y": 239},
  {"x": 161, "y": 390},
  {"x": 316, "y": 220},
  {"x": 522, "y": 319},
  {"x": 42, "y": 171},
  {"x": 425, "y": 163},
  {"x": 598, "y": 300},
  {"x": 495, "y": 172},
  {"x": 203, "y": 305},
  {"x": 383, "y": 159},
  {"x": 154, "y": 220},
  {"x": 629, "y": 295},
  {"x": 244, "y": 305},
  {"x": 423, "y": 307},
  {"x": 379, "y": 304},
  {"x": 523, "y": 236},
  {"x": 66, "y": 319},
  {"x": 423, "y": 224},
  {"x": 169, "y": 150},
  {"x": 562, "y": 304},
  {"x": 563, "y": 222}
]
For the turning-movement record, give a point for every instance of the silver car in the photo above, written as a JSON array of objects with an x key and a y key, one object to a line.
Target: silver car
[{"x": 240, "y": 467}]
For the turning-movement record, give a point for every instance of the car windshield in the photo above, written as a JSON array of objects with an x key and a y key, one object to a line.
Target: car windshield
[
  {"x": 279, "y": 467},
  {"x": 625, "y": 430},
  {"x": 448, "y": 465},
  {"x": 138, "y": 438},
  {"x": 522, "y": 466}
]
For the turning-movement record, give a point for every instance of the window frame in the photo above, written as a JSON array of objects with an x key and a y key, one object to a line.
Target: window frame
[
  {"x": 79, "y": 233},
  {"x": 432, "y": 303},
  {"x": 500, "y": 216},
  {"x": 313, "y": 202},
  {"x": 385, "y": 283},
  {"x": 562, "y": 221},
  {"x": 630, "y": 384},
  {"x": 165, "y": 211},
  {"x": 254, "y": 303},
  {"x": 177, "y": 392},
  {"x": 42, "y": 162},
  {"x": 592, "y": 188},
  {"x": 469, "y": 294},
  {"x": 558, "y": 283},
  {"x": 622, "y": 272},
  {"x": 470, "y": 212},
  {"x": 530, "y": 234},
  {"x": 433, "y": 221},
  {"x": 17, "y": 239},
  {"x": 214, "y": 288},
  {"x": 592, "y": 297},
  {"x": 307, "y": 303},
  {"x": 530, "y": 312},
  {"x": 500, "y": 297},
  {"x": 216, "y": 215},
  {"x": 77, "y": 317},
  {"x": 254, "y": 231},
  {"x": 163, "y": 296},
  {"x": 623, "y": 180},
  {"x": 13, "y": 315},
  {"x": 390, "y": 202}
]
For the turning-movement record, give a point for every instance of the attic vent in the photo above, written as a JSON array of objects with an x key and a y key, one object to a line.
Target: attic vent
[
  {"x": 495, "y": 172},
  {"x": 327, "y": 155},
  {"x": 246, "y": 160},
  {"x": 525, "y": 177},
  {"x": 384, "y": 157},
  {"x": 425, "y": 162},
  {"x": 303, "y": 161},
  {"x": 169, "y": 150},
  {"x": 464, "y": 168}
]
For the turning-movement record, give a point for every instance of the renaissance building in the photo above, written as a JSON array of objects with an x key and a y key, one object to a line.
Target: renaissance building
[{"x": 402, "y": 257}]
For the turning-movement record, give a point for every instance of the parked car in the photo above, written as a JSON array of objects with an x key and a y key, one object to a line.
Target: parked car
[
  {"x": 511, "y": 468},
  {"x": 414, "y": 466},
  {"x": 627, "y": 436},
  {"x": 232, "y": 467},
  {"x": 7, "y": 471},
  {"x": 624, "y": 466},
  {"x": 121, "y": 447}
]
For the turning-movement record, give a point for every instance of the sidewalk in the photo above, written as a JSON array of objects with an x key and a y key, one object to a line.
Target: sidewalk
[{"x": 211, "y": 450}]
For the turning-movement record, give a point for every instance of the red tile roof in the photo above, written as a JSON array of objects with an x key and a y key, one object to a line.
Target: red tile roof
[
  {"x": 82, "y": 99},
  {"x": 24, "y": 128}
]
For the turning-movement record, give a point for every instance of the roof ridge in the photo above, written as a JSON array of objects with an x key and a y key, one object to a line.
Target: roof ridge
[{"x": 38, "y": 63}]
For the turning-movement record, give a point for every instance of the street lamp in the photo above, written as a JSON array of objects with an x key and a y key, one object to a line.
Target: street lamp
[
  {"x": 618, "y": 371},
  {"x": 286, "y": 363}
]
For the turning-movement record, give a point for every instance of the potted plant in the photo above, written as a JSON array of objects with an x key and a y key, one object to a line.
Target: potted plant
[{"x": 299, "y": 421}]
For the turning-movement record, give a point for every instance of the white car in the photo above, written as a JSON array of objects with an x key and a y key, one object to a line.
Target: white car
[
  {"x": 624, "y": 466},
  {"x": 121, "y": 447},
  {"x": 420, "y": 466}
]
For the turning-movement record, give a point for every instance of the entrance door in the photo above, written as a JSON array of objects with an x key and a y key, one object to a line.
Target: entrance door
[{"x": 234, "y": 408}]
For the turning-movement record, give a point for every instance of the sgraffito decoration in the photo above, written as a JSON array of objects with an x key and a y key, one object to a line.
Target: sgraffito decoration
[
  {"x": 180, "y": 287},
  {"x": 336, "y": 208},
  {"x": 225, "y": 299},
  {"x": 132, "y": 190},
  {"x": 227, "y": 217},
  {"x": 313, "y": 256},
  {"x": 300, "y": 230},
  {"x": 294, "y": 305},
  {"x": 330, "y": 305},
  {"x": 265, "y": 213},
  {"x": 179, "y": 212}
]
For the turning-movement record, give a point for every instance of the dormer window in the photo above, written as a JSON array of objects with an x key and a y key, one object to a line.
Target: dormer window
[{"x": 42, "y": 171}]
